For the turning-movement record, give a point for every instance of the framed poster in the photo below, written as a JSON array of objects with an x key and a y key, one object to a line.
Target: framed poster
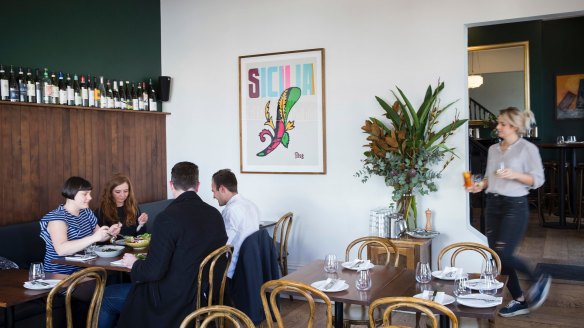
[
  {"x": 569, "y": 96},
  {"x": 282, "y": 112}
]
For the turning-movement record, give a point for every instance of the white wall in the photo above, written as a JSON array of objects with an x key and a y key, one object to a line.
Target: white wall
[{"x": 371, "y": 46}]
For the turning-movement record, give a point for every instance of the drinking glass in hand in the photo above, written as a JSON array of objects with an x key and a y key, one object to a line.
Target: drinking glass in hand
[
  {"x": 477, "y": 180},
  {"x": 36, "y": 271},
  {"x": 423, "y": 273},
  {"x": 461, "y": 285},
  {"x": 363, "y": 282},
  {"x": 330, "y": 263}
]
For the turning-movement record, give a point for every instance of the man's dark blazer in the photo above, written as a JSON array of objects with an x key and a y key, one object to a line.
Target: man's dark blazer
[
  {"x": 164, "y": 285},
  {"x": 257, "y": 263}
]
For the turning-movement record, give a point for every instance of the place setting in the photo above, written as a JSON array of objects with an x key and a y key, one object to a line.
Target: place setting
[
  {"x": 487, "y": 285},
  {"x": 36, "y": 278},
  {"x": 332, "y": 283}
]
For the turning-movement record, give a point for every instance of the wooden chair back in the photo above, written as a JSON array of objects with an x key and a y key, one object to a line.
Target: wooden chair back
[
  {"x": 457, "y": 248},
  {"x": 208, "y": 266},
  {"x": 281, "y": 233},
  {"x": 97, "y": 274},
  {"x": 207, "y": 315},
  {"x": 363, "y": 242},
  {"x": 276, "y": 287},
  {"x": 389, "y": 304}
]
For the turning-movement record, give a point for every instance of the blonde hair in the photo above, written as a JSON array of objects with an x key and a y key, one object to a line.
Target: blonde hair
[{"x": 522, "y": 120}]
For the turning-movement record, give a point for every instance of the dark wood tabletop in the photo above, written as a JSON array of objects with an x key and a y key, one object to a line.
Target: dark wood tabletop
[
  {"x": 103, "y": 262},
  {"x": 12, "y": 291}
]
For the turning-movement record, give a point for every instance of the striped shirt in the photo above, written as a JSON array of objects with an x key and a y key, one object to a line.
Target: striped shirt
[{"x": 77, "y": 227}]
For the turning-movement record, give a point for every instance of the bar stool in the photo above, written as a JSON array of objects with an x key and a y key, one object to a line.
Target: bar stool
[
  {"x": 579, "y": 204},
  {"x": 548, "y": 195}
]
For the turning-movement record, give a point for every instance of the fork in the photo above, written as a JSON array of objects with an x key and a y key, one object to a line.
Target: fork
[{"x": 479, "y": 299}]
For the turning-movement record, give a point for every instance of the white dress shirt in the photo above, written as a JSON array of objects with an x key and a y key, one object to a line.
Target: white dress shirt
[{"x": 242, "y": 218}]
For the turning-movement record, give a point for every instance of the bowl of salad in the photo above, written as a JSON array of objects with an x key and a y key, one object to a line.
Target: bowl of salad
[
  {"x": 139, "y": 241},
  {"x": 109, "y": 250}
]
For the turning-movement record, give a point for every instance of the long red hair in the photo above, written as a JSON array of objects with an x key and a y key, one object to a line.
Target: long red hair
[{"x": 108, "y": 207}]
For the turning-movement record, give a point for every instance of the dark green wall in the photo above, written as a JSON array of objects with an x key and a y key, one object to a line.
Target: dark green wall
[
  {"x": 555, "y": 47},
  {"x": 119, "y": 39}
]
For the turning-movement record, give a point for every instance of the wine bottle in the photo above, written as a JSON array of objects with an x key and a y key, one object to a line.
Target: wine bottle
[
  {"x": 84, "y": 94},
  {"x": 145, "y": 96},
  {"x": 38, "y": 86},
  {"x": 22, "y": 97},
  {"x": 122, "y": 95},
  {"x": 100, "y": 95},
  {"x": 4, "y": 90},
  {"x": 47, "y": 87},
  {"x": 13, "y": 85},
  {"x": 69, "y": 89},
  {"x": 55, "y": 92},
  {"x": 109, "y": 95},
  {"x": 152, "y": 97},
  {"x": 134, "y": 97},
  {"x": 90, "y": 91},
  {"x": 62, "y": 90},
  {"x": 77, "y": 99},
  {"x": 30, "y": 87},
  {"x": 117, "y": 104},
  {"x": 139, "y": 96},
  {"x": 129, "y": 103}
]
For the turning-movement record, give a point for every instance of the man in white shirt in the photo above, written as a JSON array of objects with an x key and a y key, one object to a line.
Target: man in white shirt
[{"x": 240, "y": 215}]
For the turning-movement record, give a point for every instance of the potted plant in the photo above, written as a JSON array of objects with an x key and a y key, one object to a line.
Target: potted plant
[{"x": 410, "y": 155}]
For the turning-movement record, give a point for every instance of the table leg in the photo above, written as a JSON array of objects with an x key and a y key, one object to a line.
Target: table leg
[
  {"x": 572, "y": 186},
  {"x": 562, "y": 187},
  {"x": 338, "y": 315},
  {"x": 9, "y": 317},
  {"x": 444, "y": 321}
]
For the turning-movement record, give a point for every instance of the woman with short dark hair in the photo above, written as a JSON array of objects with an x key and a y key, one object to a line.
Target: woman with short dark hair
[{"x": 72, "y": 226}]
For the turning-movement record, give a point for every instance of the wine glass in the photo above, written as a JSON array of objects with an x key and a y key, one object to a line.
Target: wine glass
[
  {"x": 560, "y": 140},
  {"x": 488, "y": 282},
  {"x": 461, "y": 285},
  {"x": 330, "y": 263},
  {"x": 423, "y": 273},
  {"x": 363, "y": 281},
  {"x": 36, "y": 271}
]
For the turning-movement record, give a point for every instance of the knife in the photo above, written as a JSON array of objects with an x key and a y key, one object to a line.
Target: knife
[
  {"x": 330, "y": 284},
  {"x": 434, "y": 295}
]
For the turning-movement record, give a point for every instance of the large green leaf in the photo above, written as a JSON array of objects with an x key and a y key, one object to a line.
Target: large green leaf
[
  {"x": 411, "y": 110},
  {"x": 391, "y": 114}
]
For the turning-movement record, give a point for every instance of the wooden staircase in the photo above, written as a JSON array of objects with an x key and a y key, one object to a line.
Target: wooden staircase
[{"x": 478, "y": 114}]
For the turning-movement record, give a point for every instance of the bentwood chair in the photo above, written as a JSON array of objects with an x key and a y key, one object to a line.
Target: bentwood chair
[
  {"x": 93, "y": 275},
  {"x": 207, "y": 281},
  {"x": 453, "y": 250},
  {"x": 275, "y": 287},
  {"x": 281, "y": 233},
  {"x": 206, "y": 315},
  {"x": 389, "y": 304},
  {"x": 357, "y": 314}
]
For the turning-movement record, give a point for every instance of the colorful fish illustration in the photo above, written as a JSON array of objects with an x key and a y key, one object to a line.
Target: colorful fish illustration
[{"x": 280, "y": 136}]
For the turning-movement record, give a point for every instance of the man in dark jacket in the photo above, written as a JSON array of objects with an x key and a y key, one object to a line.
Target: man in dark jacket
[{"x": 164, "y": 285}]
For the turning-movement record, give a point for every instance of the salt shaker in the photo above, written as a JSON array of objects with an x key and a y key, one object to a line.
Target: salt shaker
[{"x": 428, "y": 226}]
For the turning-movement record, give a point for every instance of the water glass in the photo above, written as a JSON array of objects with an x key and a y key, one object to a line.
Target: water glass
[
  {"x": 423, "y": 273},
  {"x": 330, "y": 263},
  {"x": 500, "y": 168},
  {"x": 363, "y": 281},
  {"x": 560, "y": 140},
  {"x": 90, "y": 250},
  {"x": 36, "y": 271},
  {"x": 488, "y": 280},
  {"x": 571, "y": 139},
  {"x": 461, "y": 285}
]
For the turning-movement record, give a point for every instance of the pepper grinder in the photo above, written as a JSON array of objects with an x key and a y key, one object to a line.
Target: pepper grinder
[{"x": 428, "y": 226}]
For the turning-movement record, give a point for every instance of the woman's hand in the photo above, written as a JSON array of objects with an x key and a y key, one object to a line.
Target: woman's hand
[
  {"x": 128, "y": 260},
  {"x": 477, "y": 187},
  {"x": 101, "y": 234},
  {"x": 114, "y": 230},
  {"x": 506, "y": 174},
  {"x": 143, "y": 219}
]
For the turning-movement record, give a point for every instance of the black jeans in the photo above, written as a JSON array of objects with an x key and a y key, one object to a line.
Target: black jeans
[{"x": 506, "y": 221}]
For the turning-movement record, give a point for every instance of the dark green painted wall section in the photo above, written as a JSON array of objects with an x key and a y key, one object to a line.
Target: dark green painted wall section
[
  {"x": 555, "y": 47},
  {"x": 119, "y": 39}
]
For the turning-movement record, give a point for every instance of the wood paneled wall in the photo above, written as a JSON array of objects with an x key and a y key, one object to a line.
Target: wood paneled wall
[{"x": 43, "y": 145}]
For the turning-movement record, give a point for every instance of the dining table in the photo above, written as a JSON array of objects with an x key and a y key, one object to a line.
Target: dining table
[
  {"x": 13, "y": 292},
  {"x": 103, "y": 262},
  {"x": 387, "y": 281},
  {"x": 563, "y": 149}
]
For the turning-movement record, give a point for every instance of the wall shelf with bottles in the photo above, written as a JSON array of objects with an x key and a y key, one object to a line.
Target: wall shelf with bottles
[{"x": 114, "y": 110}]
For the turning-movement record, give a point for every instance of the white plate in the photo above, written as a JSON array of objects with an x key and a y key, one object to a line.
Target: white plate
[
  {"x": 438, "y": 274},
  {"x": 113, "y": 250},
  {"x": 336, "y": 287},
  {"x": 37, "y": 286},
  {"x": 362, "y": 266},
  {"x": 475, "y": 300},
  {"x": 447, "y": 299},
  {"x": 475, "y": 284}
]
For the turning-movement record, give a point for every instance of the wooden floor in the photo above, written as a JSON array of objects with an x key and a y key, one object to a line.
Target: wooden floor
[{"x": 563, "y": 308}]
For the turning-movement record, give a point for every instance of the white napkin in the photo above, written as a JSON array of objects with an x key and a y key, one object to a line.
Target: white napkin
[
  {"x": 362, "y": 264},
  {"x": 117, "y": 263},
  {"x": 338, "y": 284},
  {"x": 80, "y": 258},
  {"x": 450, "y": 272},
  {"x": 438, "y": 299}
]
